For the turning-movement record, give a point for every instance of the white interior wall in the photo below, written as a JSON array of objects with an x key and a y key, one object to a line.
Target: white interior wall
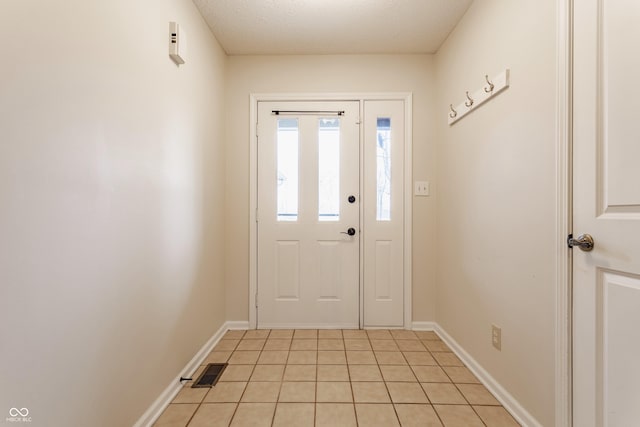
[
  {"x": 497, "y": 197},
  {"x": 111, "y": 218},
  {"x": 327, "y": 74}
]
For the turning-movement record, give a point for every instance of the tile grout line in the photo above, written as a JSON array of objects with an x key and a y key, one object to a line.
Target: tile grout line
[
  {"x": 393, "y": 405},
  {"x": 277, "y": 398},
  {"x": 235, "y": 411}
]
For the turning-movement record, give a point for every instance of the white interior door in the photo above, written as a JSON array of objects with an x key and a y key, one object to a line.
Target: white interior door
[
  {"x": 383, "y": 230},
  {"x": 308, "y": 215},
  {"x": 606, "y": 182}
]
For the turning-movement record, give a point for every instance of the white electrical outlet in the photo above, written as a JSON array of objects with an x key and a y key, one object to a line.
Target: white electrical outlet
[
  {"x": 496, "y": 337},
  {"x": 421, "y": 188}
]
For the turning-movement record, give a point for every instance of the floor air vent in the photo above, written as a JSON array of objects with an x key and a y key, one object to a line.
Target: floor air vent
[{"x": 210, "y": 376}]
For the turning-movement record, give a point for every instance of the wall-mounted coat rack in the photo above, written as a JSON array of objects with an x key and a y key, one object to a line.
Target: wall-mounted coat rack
[{"x": 492, "y": 87}]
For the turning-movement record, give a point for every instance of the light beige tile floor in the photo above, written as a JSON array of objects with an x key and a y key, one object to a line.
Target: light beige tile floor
[{"x": 337, "y": 378}]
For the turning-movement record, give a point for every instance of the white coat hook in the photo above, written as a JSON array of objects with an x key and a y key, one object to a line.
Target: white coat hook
[
  {"x": 453, "y": 112},
  {"x": 488, "y": 89},
  {"x": 493, "y": 86},
  {"x": 469, "y": 102}
]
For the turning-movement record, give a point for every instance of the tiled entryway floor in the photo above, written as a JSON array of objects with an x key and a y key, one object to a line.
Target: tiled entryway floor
[{"x": 336, "y": 378}]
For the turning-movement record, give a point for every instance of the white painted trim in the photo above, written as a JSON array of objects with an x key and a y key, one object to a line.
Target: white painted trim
[
  {"x": 355, "y": 96},
  {"x": 308, "y": 326},
  {"x": 154, "y": 411},
  {"x": 383, "y": 328},
  {"x": 408, "y": 209},
  {"x": 564, "y": 124},
  {"x": 361, "y": 192},
  {"x": 424, "y": 326},
  {"x": 235, "y": 325},
  {"x": 504, "y": 397},
  {"x": 254, "y": 98},
  {"x": 253, "y": 206}
]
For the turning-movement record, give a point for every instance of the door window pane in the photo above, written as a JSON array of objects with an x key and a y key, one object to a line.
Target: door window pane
[
  {"x": 383, "y": 177},
  {"x": 287, "y": 176},
  {"x": 329, "y": 169}
]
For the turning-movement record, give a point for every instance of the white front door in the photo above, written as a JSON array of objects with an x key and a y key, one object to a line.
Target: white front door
[
  {"x": 606, "y": 193},
  {"x": 308, "y": 215}
]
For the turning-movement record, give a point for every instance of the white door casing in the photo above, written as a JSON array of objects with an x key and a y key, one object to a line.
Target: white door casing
[
  {"x": 383, "y": 201},
  {"x": 606, "y": 204},
  {"x": 308, "y": 266}
]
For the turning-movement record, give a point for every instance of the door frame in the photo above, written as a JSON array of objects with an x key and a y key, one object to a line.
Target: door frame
[
  {"x": 407, "y": 97},
  {"x": 564, "y": 214}
]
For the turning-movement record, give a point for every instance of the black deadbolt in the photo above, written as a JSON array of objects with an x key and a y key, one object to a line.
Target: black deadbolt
[{"x": 352, "y": 199}]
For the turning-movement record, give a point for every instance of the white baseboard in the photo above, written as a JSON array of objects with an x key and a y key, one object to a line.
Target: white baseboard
[
  {"x": 424, "y": 326},
  {"x": 504, "y": 397},
  {"x": 373, "y": 328},
  {"x": 237, "y": 324},
  {"x": 308, "y": 326},
  {"x": 155, "y": 410}
]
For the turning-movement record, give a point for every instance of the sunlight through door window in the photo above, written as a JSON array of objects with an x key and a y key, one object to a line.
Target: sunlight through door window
[
  {"x": 329, "y": 170},
  {"x": 383, "y": 177},
  {"x": 287, "y": 175}
]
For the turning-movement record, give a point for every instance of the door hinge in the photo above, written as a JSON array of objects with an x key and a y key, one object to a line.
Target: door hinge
[
  {"x": 256, "y": 215},
  {"x": 256, "y": 300}
]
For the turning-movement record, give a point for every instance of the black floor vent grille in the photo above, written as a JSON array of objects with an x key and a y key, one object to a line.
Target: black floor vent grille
[{"x": 210, "y": 376}]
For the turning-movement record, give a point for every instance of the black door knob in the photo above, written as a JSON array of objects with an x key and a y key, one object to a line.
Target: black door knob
[
  {"x": 350, "y": 231},
  {"x": 352, "y": 199}
]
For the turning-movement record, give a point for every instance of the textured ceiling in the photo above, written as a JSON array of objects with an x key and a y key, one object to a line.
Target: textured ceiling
[{"x": 271, "y": 27}]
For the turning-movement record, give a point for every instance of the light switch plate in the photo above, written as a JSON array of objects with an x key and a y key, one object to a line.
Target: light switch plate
[{"x": 421, "y": 188}]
